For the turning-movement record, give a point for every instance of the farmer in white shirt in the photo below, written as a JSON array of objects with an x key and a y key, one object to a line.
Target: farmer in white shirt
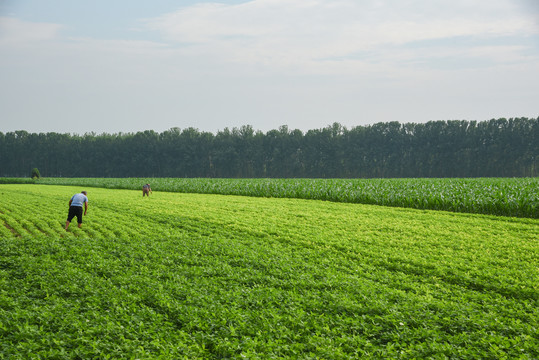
[{"x": 75, "y": 208}]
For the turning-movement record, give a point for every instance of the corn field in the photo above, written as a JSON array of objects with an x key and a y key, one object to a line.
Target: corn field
[{"x": 514, "y": 197}]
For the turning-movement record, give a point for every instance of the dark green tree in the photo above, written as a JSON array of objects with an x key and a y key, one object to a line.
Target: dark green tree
[
  {"x": 455, "y": 148},
  {"x": 35, "y": 174}
]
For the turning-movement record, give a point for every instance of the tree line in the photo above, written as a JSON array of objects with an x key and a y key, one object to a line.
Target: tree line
[{"x": 454, "y": 148}]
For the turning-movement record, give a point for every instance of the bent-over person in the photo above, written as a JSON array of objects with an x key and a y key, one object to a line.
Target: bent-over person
[
  {"x": 76, "y": 203},
  {"x": 146, "y": 190}
]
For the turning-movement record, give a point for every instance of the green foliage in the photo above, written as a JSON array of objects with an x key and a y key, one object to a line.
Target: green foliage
[
  {"x": 212, "y": 277},
  {"x": 494, "y": 196},
  {"x": 5, "y": 180},
  {"x": 35, "y": 174},
  {"x": 456, "y": 148}
]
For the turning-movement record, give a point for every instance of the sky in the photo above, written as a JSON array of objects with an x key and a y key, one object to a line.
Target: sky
[{"x": 125, "y": 66}]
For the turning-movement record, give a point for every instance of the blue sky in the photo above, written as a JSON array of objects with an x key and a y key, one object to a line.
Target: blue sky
[{"x": 126, "y": 66}]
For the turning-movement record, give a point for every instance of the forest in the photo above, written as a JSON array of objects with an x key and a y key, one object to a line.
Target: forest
[{"x": 436, "y": 149}]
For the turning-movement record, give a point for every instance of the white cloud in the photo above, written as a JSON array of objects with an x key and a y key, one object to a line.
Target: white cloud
[
  {"x": 15, "y": 31},
  {"x": 305, "y": 34},
  {"x": 304, "y": 63}
]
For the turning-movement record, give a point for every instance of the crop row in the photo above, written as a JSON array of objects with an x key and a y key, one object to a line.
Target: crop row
[
  {"x": 208, "y": 276},
  {"x": 6, "y": 180},
  {"x": 517, "y": 197}
]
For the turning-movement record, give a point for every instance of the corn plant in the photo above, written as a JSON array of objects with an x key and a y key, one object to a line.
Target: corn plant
[{"x": 516, "y": 197}]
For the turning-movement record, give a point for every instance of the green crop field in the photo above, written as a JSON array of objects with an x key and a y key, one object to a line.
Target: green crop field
[
  {"x": 205, "y": 276},
  {"x": 492, "y": 196}
]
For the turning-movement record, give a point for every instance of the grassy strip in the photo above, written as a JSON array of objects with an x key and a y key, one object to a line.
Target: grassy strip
[
  {"x": 516, "y": 197},
  {"x": 6, "y": 180},
  {"x": 199, "y": 276}
]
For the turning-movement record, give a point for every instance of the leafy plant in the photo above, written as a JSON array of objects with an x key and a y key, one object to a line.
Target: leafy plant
[
  {"x": 35, "y": 174},
  {"x": 493, "y": 196},
  {"x": 208, "y": 276}
]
